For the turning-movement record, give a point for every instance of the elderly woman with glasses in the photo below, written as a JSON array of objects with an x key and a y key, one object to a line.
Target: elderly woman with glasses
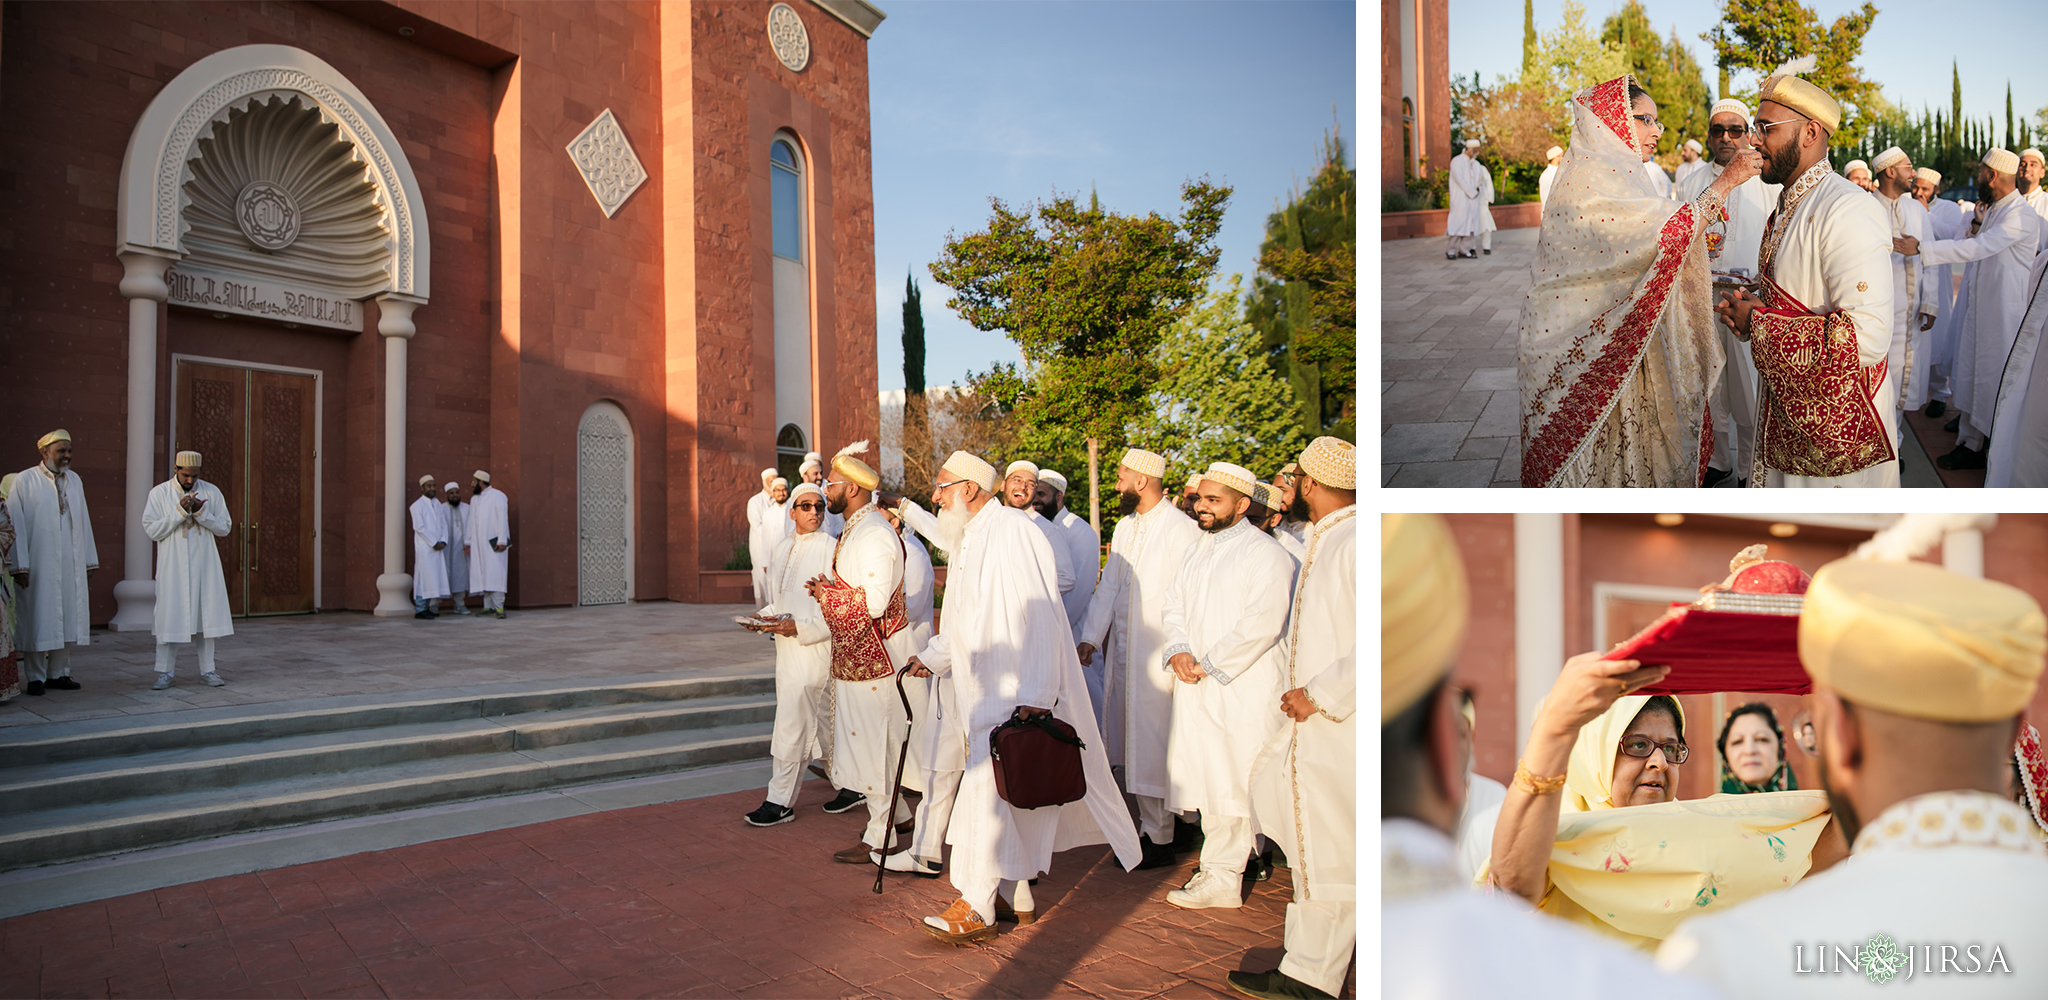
[{"x": 1592, "y": 829}]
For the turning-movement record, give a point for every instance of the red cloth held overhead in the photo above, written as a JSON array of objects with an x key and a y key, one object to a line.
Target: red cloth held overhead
[{"x": 1711, "y": 651}]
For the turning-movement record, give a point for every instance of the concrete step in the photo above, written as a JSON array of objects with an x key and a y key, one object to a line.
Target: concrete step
[{"x": 139, "y": 793}]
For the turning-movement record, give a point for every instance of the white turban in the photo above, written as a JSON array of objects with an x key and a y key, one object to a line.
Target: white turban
[
  {"x": 1553, "y": 152},
  {"x": 424, "y": 480},
  {"x": 2035, "y": 153},
  {"x": 767, "y": 475}
]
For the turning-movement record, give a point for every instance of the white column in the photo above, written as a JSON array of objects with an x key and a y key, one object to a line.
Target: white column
[
  {"x": 142, "y": 284},
  {"x": 394, "y": 585},
  {"x": 1963, "y": 552},
  {"x": 1539, "y": 615}
]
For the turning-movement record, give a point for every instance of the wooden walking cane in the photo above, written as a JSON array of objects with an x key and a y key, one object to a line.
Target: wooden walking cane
[{"x": 896, "y": 790}]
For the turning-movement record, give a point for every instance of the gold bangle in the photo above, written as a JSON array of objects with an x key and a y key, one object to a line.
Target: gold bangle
[{"x": 1535, "y": 785}]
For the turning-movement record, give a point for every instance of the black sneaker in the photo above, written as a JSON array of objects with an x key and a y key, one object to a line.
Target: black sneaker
[
  {"x": 423, "y": 615},
  {"x": 1935, "y": 409},
  {"x": 1714, "y": 477},
  {"x": 1274, "y": 985},
  {"x": 1964, "y": 457},
  {"x": 67, "y": 684},
  {"x": 1954, "y": 425},
  {"x": 1156, "y": 855},
  {"x": 35, "y": 689},
  {"x": 771, "y": 814},
  {"x": 1261, "y": 868},
  {"x": 848, "y": 798}
]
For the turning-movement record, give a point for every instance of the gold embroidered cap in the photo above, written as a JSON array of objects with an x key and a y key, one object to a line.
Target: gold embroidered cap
[
  {"x": 971, "y": 468},
  {"x": 2005, "y": 161},
  {"x": 802, "y": 489},
  {"x": 1883, "y": 161},
  {"x": 1053, "y": 479},
  {"x": 481, "y": 476},
  {"x": 1928, "y": 174},
  {"x": 1918, "y": 640},
  {"x": 1786, "y": 89},
  {"x": 1262, "y": 494},
  {"x": 1236, "y": 477},
  {"x": 1422, "y": 607},
  {"x": 1145, "y": 463},
  {"x": 1332, "y": 462},
  {"x": 1731, "y": 106},
  {"x": 190, "y": 460},
  {"x": 424, "y": 480},
  {"x": 60, "y": 434}
]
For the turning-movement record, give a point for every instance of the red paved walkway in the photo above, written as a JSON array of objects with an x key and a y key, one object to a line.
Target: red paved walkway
[{"x": 679, "y": 899}]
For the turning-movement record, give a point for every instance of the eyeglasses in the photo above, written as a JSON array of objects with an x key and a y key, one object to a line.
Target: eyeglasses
[
  {"x": 1762, "y": 125},
  {"x": 814, "y": 507},
  {"x": 947, "y": 486},
  {"x": 1731, "y": 131},
  {"x": 1640, "y": 746},
  {"x": 1650, "y": 121}
]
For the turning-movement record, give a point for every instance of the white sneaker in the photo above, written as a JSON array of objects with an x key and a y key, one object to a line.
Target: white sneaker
[
  {"x": 1207, "y": 891},
  {"x": 163, "y": 681},
  {"x": 213, "y": 680},
  {"x": 901, "y": 861}
]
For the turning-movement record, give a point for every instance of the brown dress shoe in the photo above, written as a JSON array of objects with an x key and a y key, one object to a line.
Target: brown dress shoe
[
  {"x": 859, "y": 853},
  {"x": 963, "y": 925}
]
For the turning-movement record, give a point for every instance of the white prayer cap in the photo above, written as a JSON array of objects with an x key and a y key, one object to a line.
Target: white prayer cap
[
  {"x": 812, "y": 456},
  {"x": 1883, "y": 161},
  {"x": 1850, "y": 167},
  {"x": 2002, "y": 161},
  {"x": 1469, "y": 143},
  {"x": 1053, "y": 479},
  {"x": 60, "y": 434},
  {"x": 767, "y": 475},
  {"x": 188, "y": 460},
  {"x": 1194, "y": 483},
  {"x": 809, "y": 464},
  {"x": 1332, "y": 462},
  {"x": 1030, "y": 467},
  {"x": 1729, "y": 105},
  {"x": 1553, "y": 152},
  {"x": 1693, "y": 144},
  {"x": 424, "y": 480},
  {"x": 452, "y": 487},
  {"x": 2035, "y": 153},
  {"x": 784, "y": 483},
  {"x": 1237, "y": 477},
  {"x": 1928, "y": 174},
  {"x": 803, "y": 489},
  {"x": 1145, "y": 463},
  {"x": 971, "y": 468},
  {"x": 481, "y": 476}
]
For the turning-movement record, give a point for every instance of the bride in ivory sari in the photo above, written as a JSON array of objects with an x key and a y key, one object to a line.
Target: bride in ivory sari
[{"x": 1618, "y": 350}]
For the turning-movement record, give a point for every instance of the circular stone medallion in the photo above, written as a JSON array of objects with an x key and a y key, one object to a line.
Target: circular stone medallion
[
  {"x": 786, "y": 35},
  {"x": 267, "y": 215}
]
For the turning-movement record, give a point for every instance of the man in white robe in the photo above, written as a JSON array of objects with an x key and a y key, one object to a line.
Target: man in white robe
[
  {"x": 2028, "y": 183},
  {"x": 938, "y": 739},
  {"x": 776, "y": 522},
  {"x": 803, "y": 654},
  {"x": 429, "y": 549},
  {"x": 1553, "y": 157},
  {"x": 1469, "y": 181},
  {"x": 1126, "y": 617},
  {"x": 1304, "y": 787},
  {"x": 1824, "y": 332},
  {"x": 862, "y": 602},
  {"x": 1083, "y": 551},
  {"x": 1912, "y": 312},
  {"x": 1928, "y": 386},
  {"x": 1920, "y": 676},
  {"x": 812, "y": 471},
  {"x": 1003, "y": 641},
  {"x": 1431, "y": 921},
  {"x": 490, "y": 535},
  {"x": 1858, "y": 173},
  {"x": 759, "y": 548},
  {"x": 1486, "y": 223},
  {"x": 2021, "y": 458},
  {"x": 183, "y": 517},
  {"x": 1020, "y": 486},
  {"x": 458, "y": 546},
  {"x": 53, "y": 555},
  {"x": 1998, "y": 259},
  {"x": 1733, "y": 403},
  {"x": 1689, "y": 161},
  {"x": 1225, "y": 612}
]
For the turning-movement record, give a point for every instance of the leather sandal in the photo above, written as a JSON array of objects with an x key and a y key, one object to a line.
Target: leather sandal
[{"x": 963, "y": 925}]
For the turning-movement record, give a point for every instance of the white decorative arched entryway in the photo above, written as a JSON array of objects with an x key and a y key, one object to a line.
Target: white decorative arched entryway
[
  {"x": 251, "y": 218},
  {"x": 604, "y": 505}
]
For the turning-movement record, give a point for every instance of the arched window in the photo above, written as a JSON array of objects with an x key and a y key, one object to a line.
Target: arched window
[
  {"x": 789, "y": 259},
  {"x": 789, "y": 452},
  {"x": 1408, "y": 134},
  {"x": 785, "y": 186}
]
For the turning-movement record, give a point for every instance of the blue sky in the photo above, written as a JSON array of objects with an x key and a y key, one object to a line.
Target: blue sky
[
  {"x": 1908, "y": 50},
  {"x": 1018, "y": 100}
]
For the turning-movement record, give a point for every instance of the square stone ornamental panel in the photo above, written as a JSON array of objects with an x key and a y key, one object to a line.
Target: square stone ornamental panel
[{"x": 607, "y": 162}]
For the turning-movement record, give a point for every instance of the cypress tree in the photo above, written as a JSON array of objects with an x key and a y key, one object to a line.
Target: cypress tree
[{"x": 1531, "y": 71}]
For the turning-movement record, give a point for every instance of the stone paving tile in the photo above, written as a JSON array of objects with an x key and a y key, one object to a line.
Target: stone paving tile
[
  {"x": 1438, "y": 474},
  {"x": 1434, "y": 442},
  {"x": 1492, "y": 380},
  {"x": 678, "y": 899}
]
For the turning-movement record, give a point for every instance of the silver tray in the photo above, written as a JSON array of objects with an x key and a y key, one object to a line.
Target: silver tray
[{"x": 1752, "y": 604}]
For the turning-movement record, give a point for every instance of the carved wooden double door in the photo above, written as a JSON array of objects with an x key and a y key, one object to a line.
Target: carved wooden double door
[{"x": 254, "y": 431}]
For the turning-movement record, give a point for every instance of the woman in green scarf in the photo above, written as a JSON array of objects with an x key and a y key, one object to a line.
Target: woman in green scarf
[{"x": 1753, "y": 752}]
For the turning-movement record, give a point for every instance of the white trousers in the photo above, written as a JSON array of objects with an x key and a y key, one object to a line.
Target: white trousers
[
  {"x": 46, "y": 665},
  {"x": 1226, "y": 844},
  {"x": 1154, "y": 821},
  {"x": 783, "y": 777},
  {"x": 494, "y": 600},
  {"x": 1461, "y": 244},
  {"x": 1968, "y": 434},
  {"x": 459, "y": 600},
  {"x": 1486, "y": 240},
  {"x": 1320, "y": 938},
  {"x": 880, "y": 816},
  {"x": 167, "y": 656},
  {"x": 760, "y": 585},
  {"x": 980, "y": 893},
  {"x": 1734, "y": 408},
  {"x": 934, "y": 814}
]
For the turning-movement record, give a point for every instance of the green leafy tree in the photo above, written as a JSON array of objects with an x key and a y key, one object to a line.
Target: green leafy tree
[
  {"x": 1759, "y": 35},
  {"x": 1667, "y": 70},
  {"x": 1217, "y": 400},
  {"x": 1086, "y": 294},
  {"x": 1304, "y": 299},
  {"x": 1574, "y": 58}
]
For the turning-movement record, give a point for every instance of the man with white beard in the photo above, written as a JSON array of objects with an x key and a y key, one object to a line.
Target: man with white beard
[
  {"x": 1928, "y": 385},
  {"x": 759, "y": 507},
  {"x": 183, "y": 517},
  {"x": 1912, "y": 313},
  {"x": 429, "y": 549},
  {"x": 458, "y": 547},
  {"x": 1224, "y": 613},
  {"x": 1749, "y": 206},
  {"x": 862, "y": 602},
  {"x": 1998, "y": 260},
  {"x": 53, "y": 554},
  {"x": 1469, "y": 181},
  {"x": 1128, "y": 612},
  {"x": 490, "y": 535},
  {"x": 1305, "y": 781},
  {"x": 803, "y": 654},
  {"x": 1003, "y": 643}
]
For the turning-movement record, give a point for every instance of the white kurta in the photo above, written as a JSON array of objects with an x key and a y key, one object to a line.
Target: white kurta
[
  {"x": 1063, "y": 563},
  {"x": 1945, "y": 221},
  {"x": 1084, "y": 558},
  {"x": 1467, "y": 203},
  {"x": 1909, "y": 300},
  {"x": 1951, "y": 883},
  {"x": 53, "y": 541},
  {"x": 1686, "y": 170},
  {"x": 489, "y": 517},
  {"x": 1998, "y": 260},
  {"x": 1126, "y": 618},
  {"x": 1005, "y": 643},
  {"x": 1836, "y": 255},
  {"x": 940, "y": 734},
  {"x": 2037, "y": 200},
  {"x": 1659, "y": 178},
  {"x": 1305, "y": 780},
  {"x": 803, "y": 662},
  {"x": 2020, "y": 456},
  {"x": 1733, "y": 404},
  {"x": 1543, "y": 187},
  {"x": 867, "y": 716},
  {"x": 429, "y": 565},
  {"x": 759, "y": 547},
  {"x": 458, "y": 548},
  {"x": 191, "y": 590},
  {"x": 1227, "y": 608}
]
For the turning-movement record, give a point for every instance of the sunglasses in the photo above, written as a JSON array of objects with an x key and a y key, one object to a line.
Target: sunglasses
[
  {"x": 1640, "y": 746},
  {"x": 810, "y": 506},
  {"x": 1731, "y": 131}
]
